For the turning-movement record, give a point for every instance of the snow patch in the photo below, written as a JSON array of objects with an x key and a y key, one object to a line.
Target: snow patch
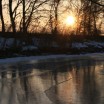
[
  {"x": 79, "y": 45},
  {"x": 94, "y": 44},
  {"x": 88, "y": 44},
  {"x": 29, "y": 48},
  {"x": 9, "y": 42}
]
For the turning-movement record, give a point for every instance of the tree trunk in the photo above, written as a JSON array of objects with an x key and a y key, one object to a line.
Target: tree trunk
[
  {"x": 1, "y": 15},
  {"x": 56, "y": 4},
  {"x": 11, "y": 16},
  {"x": 24, "y": 25},
  {"x": 56, "y": 19}
]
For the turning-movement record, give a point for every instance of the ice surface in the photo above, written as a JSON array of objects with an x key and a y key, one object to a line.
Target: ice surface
[{"x": 62, "y": 56}]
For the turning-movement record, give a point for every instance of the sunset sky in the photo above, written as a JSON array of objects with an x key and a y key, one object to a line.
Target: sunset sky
[{"x": 67, "y": 14}]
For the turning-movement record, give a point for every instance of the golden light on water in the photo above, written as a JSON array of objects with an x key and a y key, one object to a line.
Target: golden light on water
[{"x": 70, "y": 20}]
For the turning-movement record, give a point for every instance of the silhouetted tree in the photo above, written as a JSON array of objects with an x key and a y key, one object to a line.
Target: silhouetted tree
[
  {"x": 24, "y": 17},
  {"x": 11, "y": 16},
  {"x": 1, "y": 15},
  {"x": 87, "y": 17},
  {"x": 97, "y": 2},
  {"x": 55, "y": 8}
]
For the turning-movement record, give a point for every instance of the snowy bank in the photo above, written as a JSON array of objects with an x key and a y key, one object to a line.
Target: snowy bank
[
  {"x": 35, "y": 59},
  {"x": 92, "y": 44}
]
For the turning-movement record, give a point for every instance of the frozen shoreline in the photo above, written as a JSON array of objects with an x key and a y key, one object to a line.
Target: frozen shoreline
[{"x": 38, "y": 58}]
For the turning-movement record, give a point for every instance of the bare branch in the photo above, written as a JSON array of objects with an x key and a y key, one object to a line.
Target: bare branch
[{"x": 96, "y": 3}]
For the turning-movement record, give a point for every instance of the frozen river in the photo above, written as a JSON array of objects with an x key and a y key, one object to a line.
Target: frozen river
[{"x": 79, "y": 81}]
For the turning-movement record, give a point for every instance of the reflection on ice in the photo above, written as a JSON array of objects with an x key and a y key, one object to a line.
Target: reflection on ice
[{"x": 63, "y": 82}]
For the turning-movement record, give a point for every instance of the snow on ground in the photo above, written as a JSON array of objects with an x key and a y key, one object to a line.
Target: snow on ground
[
  {"x": 9, "y": 42},
  {"x": 95, "y": 44},
  {"x": 79, "y": 45},
  {"x": 34, "y": 59},
  {"x": 29, "y": 48},
  {"x": 6, "y": 43}
]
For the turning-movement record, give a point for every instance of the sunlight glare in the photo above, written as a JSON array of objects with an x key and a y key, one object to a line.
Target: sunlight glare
[{"x": 70, "y": 20}]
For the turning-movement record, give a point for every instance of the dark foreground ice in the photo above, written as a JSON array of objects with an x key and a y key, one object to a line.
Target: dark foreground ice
[{"x": 53, "y": 82}]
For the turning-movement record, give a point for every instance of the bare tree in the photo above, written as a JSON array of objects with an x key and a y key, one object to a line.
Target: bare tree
[
  {"x": 88, "y": 14},
  {"x": 1, "y": 15},
  {"x": 13, "y": 13},
  {"x": 11, "y": 16},
  {"x": 30, "y": 11},
  {"x": 24, "y": 25},
  {"x": 56, "y": 4},
  {"x": 97, "y": 2}
]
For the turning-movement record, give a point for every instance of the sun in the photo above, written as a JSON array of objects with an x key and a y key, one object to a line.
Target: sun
[{"x": 70, "y": 20}]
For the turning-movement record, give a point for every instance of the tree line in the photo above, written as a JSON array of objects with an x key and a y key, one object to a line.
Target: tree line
[{"x": 46, "y": 16}]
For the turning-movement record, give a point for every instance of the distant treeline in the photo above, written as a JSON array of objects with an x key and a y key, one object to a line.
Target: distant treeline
[
  {"x": 48, "y": 16},
  {"x": 48, "y": 35}
]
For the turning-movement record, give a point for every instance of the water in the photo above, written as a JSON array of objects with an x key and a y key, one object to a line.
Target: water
[{"x": 56, "y": 82}]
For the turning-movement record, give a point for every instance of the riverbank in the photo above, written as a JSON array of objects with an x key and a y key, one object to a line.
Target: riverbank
[{"x": 47, "y": 45}]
